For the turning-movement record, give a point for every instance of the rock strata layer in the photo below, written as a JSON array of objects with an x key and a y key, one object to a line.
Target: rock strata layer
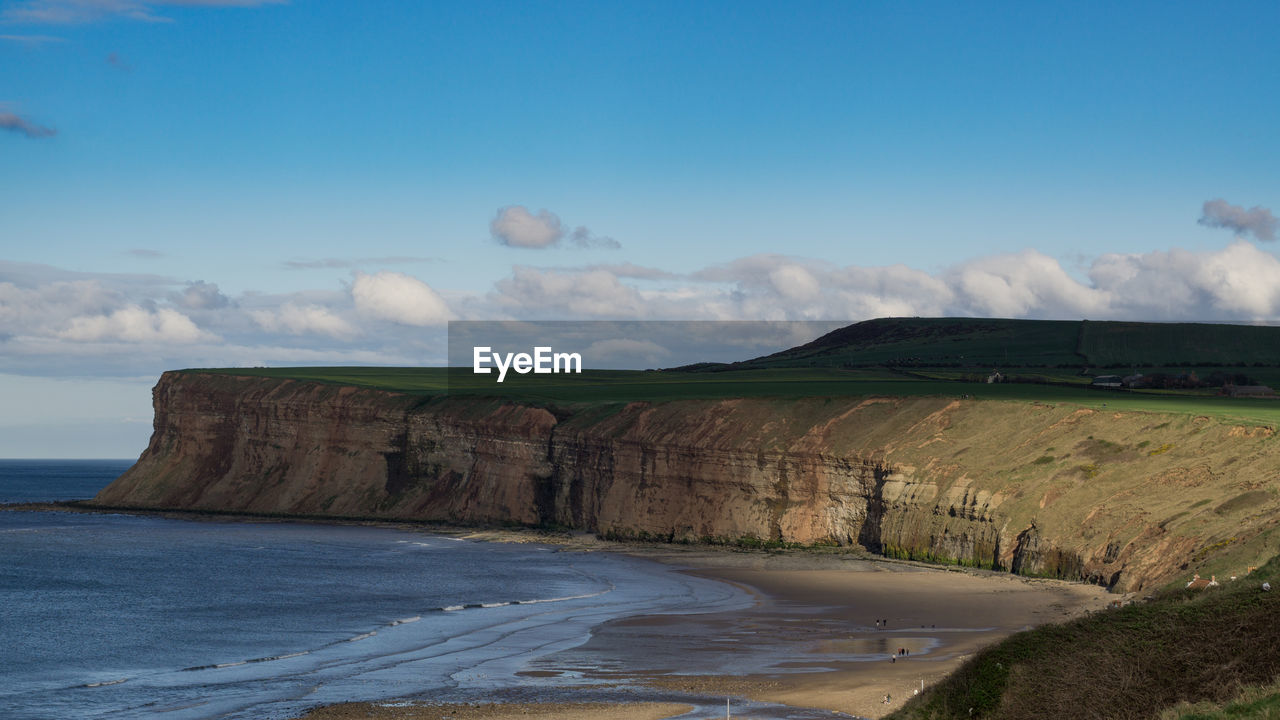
[{"x": 1129, "y": 500}]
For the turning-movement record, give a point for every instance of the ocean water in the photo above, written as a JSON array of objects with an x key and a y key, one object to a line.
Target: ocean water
[{"x": 120, "y": 616}]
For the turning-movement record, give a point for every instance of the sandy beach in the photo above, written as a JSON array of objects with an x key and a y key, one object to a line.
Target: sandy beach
[{"x": 832, "y": 631}]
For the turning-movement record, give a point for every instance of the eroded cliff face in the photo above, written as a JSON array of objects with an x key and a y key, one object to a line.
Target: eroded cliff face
[{"x": 1125, "y": 499}]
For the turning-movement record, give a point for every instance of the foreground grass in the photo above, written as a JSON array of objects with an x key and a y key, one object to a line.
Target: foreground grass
[
  {"x": 1252, "y": 703},
  {"x": 1134, "y": 662},
  {"x": 605, "y": 386}
]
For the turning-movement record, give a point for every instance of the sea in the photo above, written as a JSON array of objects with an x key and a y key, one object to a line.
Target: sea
[{"x": 139, "y": 616}]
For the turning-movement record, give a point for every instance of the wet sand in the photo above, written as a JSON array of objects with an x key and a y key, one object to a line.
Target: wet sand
[{"x": 812, "y": 640}]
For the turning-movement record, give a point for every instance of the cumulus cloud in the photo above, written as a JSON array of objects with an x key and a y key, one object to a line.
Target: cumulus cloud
[
  {"x": 400, "y": 298},
  {"x": 515, "y": 226},
  {"x": 200, "y": 296},
  {"x": 1257, "y": 221},
  {"x": 569, "y": 294},
  {"x": 18, "y": 124},
  {"x": 85, "y": 11},
  {"x": 54, "y": 320},
  {"x": 1025, "y": 284},
  {"x": 134, "y": 323},
  {"x": 1239, "y": 283},
  {"x": 25, "y": 308},
  {"x": 61, "y": 322},
  {"x": 298, "y": 319},
  {"x": 794, "y": 282}
]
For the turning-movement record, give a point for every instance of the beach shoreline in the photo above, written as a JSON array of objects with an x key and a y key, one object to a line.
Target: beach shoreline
[
  {"x": 813, "y": 639},
  {"x": 826, "y": 633}
]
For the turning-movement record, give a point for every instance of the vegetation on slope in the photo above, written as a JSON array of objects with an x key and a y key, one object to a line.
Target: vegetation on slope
[
  {"x": 1251, "y": 703},
  {"x": 982, "y": 342},
  {"x": 1184, "y": 646}
]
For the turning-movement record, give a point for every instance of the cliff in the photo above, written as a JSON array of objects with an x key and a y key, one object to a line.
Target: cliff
[{"x": 1125, "y": 499}]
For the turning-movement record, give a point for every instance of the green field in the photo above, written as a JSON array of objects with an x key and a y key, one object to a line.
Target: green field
[{"x": 597, "y": 386}]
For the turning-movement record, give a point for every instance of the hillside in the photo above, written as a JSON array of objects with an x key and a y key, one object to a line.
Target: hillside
[
  {"x": 991, "y": 343},
  {"x": 1143, "y": 661}
]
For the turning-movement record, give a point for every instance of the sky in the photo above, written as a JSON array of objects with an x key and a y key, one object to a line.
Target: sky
[{"x": 209, "y": 183}]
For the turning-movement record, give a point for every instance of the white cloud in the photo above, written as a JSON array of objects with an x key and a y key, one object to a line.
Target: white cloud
[
  {"x": 52, "y": 304},
  {"x": 570, "y": 294},
  {"x": 515, "y": 226},
  {"x": 795, "y": 283},
  {"x": 399, "y": 298},
  {"x": 298, "y": 319},
  {"x": 56, "y": 322},
  {"x": 200, "y": 296},
  {"x": 1239, "y": 282},
  {"x": 1256, "y": 221},
  {"x": 1025, "y": 284},
  {"x": 59, "y": 322},
  {"x": 134, "y": 323}
]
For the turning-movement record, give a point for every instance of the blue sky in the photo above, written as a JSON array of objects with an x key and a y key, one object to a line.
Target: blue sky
[{"x": 229, "y": 182}]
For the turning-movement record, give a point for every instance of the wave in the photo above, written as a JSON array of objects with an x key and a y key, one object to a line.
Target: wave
[
  {"x": 393, "y": 623},
  {"x": 105, "y": 683},
  {"x": 279, "y": 657},
  {"x": 41, "y": 529}
]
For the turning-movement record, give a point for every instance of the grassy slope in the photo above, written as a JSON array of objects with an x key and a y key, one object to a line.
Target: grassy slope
[
  {"x": 1132, "y": 662},
  {"x": 977, "y": 343},
  {"x": 1253, "y": 702}
]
